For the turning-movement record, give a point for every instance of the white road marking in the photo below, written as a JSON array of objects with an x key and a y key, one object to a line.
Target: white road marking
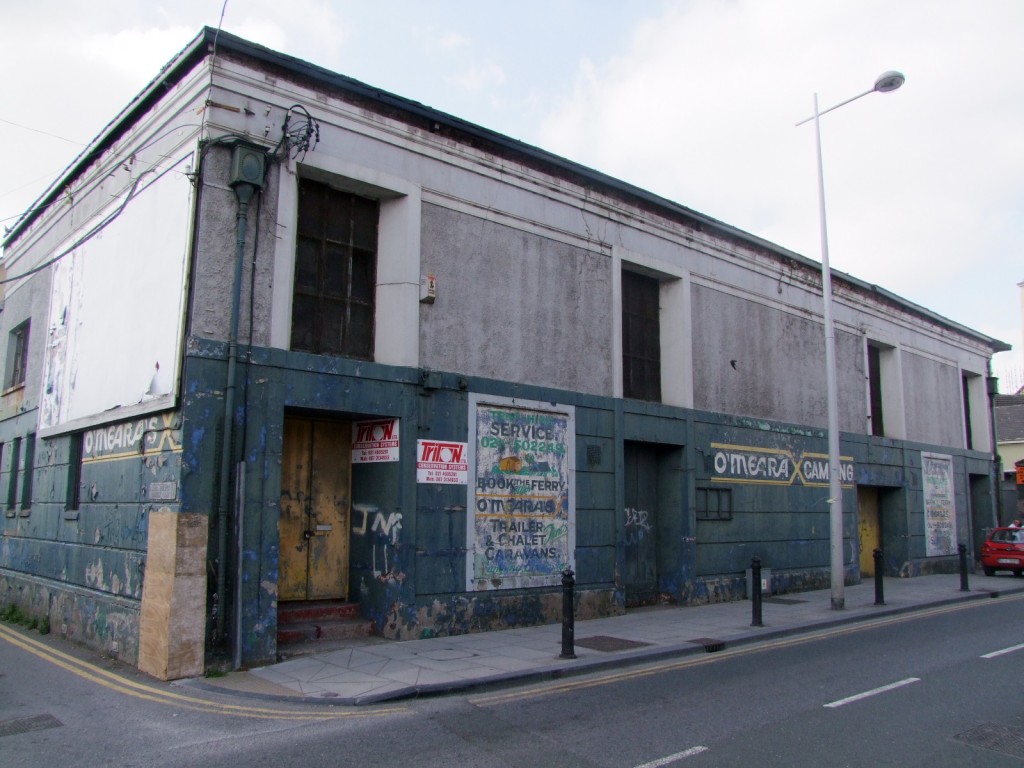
[
  {"x": 673, "y": 758},
  {"x": 866, "y": 694},
  {"x": 1011, "y": 649}
]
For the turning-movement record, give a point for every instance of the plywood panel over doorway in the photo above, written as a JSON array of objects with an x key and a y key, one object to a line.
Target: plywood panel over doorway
[
  {"x": 869, "y": 525},
  {"x": 314, "y": 526}
]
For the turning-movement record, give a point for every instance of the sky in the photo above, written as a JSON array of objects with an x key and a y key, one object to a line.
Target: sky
[{"x": 694, "y": 100}]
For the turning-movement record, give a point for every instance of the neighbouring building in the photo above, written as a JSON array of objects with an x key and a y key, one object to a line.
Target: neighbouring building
[
  {"x": 1009, "y": 416},
  {"x": 278, "y": 337}
]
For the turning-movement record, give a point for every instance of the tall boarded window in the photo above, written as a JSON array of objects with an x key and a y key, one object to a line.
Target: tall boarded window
[
  {"x": 28, "y": 475},
  {"x": 875, "y": 390},
  {"x": 335, "y": 272},
  {"x": 965, "y": 390},
  {"x": 12, "y": 482},
  {"x": 73, "y": 497},
  {"x": 641, "y": 337}
]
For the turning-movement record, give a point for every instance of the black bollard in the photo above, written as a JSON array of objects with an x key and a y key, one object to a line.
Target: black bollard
[
  {"x": 879, "y": 588},
  {"x": 568, "y": 619},
  {"x": 963, "y": 568},
  {"x": 755, "y": 591}
]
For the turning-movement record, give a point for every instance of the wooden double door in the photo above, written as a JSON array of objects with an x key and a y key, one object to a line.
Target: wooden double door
[{"x": 315, "y": 522}]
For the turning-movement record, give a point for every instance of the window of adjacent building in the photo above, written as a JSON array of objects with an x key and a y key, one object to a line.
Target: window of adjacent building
[
  {"x": 29, "y": 471},
  {"x": 641, "y": 337},
  {"x": 335, "y": 272},
  {"x": 17, "y": 357},
  {"x": 875, "y": 390},
  {"x": 714, "y": 504}
]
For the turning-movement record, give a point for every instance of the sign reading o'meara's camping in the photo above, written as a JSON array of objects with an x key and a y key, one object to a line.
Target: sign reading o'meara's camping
[
  {"x": 522, "y": 518},
  {"x": 761, "y": 465}
]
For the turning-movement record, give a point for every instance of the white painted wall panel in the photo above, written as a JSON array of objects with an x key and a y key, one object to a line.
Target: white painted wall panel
[{"x": 115, "y": 322}]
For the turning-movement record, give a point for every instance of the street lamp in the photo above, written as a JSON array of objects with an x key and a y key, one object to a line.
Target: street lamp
[{"x": 887, "y": 81}]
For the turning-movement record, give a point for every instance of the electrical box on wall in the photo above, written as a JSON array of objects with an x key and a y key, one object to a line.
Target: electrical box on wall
[
  {"x": 248, "y": 165},
  {"x": 428, "y": 289}
]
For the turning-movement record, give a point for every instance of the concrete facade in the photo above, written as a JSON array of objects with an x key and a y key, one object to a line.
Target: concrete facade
[{"x": 509, "y": 377}]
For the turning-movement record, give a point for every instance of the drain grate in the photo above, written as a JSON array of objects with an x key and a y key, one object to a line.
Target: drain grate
[
  {"x": 609, "y": 644},
  {"x": 711, "y": 645},
  {"x": 26, "y": 724},
  {"x": 998, "y": 738},
  {"x": 783, "y": 600}
]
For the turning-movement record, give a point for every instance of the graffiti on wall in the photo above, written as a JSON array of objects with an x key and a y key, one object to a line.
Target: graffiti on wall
[
  {"x": 638, "y": 526},
  {"x": 522, "y": 521},
  {"x": 939, "y": 512},
  {"x": 153, "y": 434},
  {"x": 384, "y": 528}
]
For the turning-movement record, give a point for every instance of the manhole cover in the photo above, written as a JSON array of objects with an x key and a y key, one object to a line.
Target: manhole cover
[
  {"x": 609, "y": 644},
  {"x": 783, "y": 600},
  {"x": 26, "y": 724},
  {"x": 998, "y": 738},
  {"x": 711, "y": 644}
]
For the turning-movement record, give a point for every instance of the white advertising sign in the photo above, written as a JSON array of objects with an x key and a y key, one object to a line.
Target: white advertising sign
[
  {"x": 375, "y": 441},
  {"x": 440, "y": 461}
]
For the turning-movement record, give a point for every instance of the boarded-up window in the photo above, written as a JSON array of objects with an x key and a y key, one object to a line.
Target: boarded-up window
[
  {"x": 875, "y": 390},
  {"x": 641, "y": 337},
  {"x": 29, "y": 471},
  {"x": 335, "y": 272},
  {"x": 73, "y": 498},
  {"x": 966, "y": 391},
  {"x": 714, "y": 504}
]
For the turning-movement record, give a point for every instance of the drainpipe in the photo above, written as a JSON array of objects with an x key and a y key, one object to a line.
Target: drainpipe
[{"x": 248, "y": 164}]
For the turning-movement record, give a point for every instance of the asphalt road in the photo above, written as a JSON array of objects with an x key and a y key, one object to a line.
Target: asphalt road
[{"x": 939, "y": 688}]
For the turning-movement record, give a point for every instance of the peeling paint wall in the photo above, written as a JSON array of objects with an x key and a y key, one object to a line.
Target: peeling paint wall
[{"x": 83, "y": 567}]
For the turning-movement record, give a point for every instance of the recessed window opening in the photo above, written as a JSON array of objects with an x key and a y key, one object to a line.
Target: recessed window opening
[
  {"x": 335, "y": 272},
  {"x": 641, "y": 337}
]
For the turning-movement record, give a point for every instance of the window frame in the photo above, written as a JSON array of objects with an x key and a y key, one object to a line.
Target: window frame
[
  {"x": 17, "y": 356},
  {"x": 723, "y": 507}
]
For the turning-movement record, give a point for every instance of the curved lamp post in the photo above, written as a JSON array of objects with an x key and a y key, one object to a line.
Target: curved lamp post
[{"x": 886, "y": 82}]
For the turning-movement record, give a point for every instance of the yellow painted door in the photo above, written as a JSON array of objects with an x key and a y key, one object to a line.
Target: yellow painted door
[
  {"x": 870, "y": 530},
  {"x": 315, "y": 505}
]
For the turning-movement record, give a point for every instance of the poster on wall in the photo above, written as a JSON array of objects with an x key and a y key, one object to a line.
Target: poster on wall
[
  {"x": 375, "y": 441},
  {"x": 522, "y": 519},
  {"x": 939, "y": 507}
]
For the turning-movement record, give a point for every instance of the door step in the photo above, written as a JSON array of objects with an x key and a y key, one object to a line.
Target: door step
[{"x": 310, "y": 622}]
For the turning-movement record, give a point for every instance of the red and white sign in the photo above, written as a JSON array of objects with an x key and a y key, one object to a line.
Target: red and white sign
[
  {"x": 442, "y": 462},
  {"x": 374, "y": 441}
]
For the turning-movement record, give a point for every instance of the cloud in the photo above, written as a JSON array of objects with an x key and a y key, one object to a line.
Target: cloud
[
  {"x": 133, "y": 54},
  {"x": 478, "y": 78}
]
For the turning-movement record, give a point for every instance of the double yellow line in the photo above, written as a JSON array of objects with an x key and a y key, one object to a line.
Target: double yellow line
[{"x": 119, "y": 684}]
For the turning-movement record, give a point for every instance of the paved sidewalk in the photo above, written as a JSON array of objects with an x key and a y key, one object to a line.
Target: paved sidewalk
[{"x": 370, "y": 671}]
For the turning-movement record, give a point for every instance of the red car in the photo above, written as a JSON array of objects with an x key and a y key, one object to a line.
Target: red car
[{"x": 1003, "y": 550}]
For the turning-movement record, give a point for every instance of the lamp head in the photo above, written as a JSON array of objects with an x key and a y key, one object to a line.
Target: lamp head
[{"x": 889, "y": 81}]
